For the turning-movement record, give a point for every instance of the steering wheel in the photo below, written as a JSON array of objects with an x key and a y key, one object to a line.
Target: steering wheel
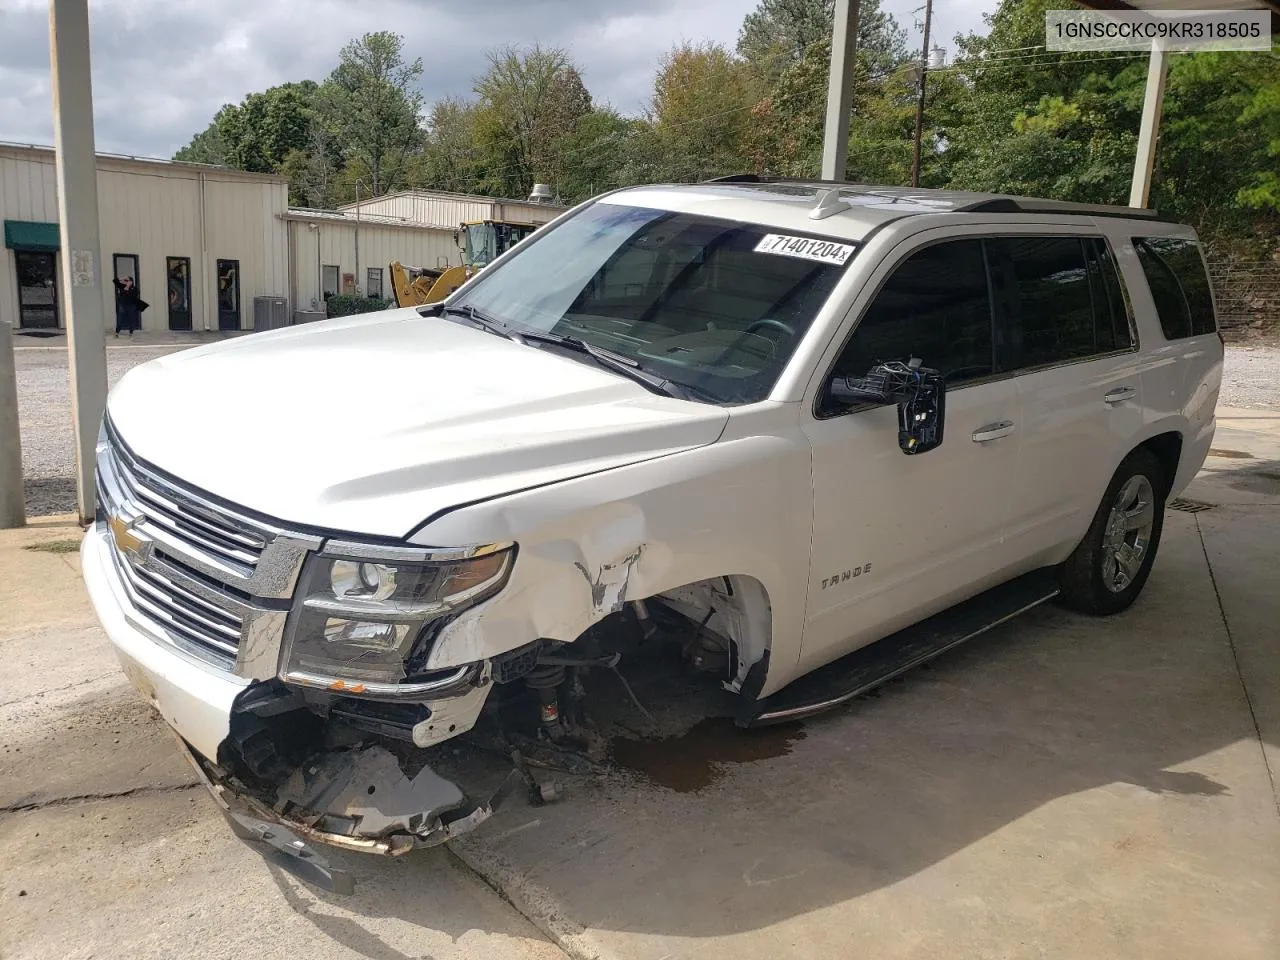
[{"x": 774, "y": 324}]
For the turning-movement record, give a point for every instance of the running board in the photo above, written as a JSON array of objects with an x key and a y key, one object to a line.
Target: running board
[{"x": 868, "y": 667}]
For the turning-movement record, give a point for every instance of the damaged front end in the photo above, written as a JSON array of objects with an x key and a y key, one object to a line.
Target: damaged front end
[{"x": 300, "y": 768}]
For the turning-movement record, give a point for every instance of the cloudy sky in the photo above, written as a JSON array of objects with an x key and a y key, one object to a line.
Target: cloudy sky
[{"x": 162, "y": 68}]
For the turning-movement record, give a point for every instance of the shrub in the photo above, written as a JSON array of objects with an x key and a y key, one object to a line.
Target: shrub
[{"x": 346, "y": 304}]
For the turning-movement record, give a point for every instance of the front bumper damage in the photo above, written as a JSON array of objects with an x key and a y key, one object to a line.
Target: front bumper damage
[
  {"x": 286, "y": 775},
  {"x": 341, "y": 787}
]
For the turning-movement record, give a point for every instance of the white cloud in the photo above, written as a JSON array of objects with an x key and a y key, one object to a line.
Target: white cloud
[{"x": 162, "y": 68}]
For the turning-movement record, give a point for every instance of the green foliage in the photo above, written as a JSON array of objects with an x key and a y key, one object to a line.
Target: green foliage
[
  {"x": 1006, "y": 116},
  {"x": 370, "y": 106},
  {"x": 348, "y": 304},
  {"x": 700, "y": 112}
]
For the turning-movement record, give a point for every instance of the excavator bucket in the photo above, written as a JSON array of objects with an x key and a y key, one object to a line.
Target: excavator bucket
[{"x": 417, "y": 286}]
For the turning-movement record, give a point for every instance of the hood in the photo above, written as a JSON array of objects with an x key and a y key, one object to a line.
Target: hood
[{"x": 372, "y": 424}]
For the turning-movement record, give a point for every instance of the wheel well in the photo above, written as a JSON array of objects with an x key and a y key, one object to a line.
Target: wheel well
[{"x": 1167, "y": 448}]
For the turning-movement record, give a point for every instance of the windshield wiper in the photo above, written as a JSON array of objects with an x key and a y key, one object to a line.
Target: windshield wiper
[
  {"x": 482, "y": 320},
  {"x": 619, "y": 364}
]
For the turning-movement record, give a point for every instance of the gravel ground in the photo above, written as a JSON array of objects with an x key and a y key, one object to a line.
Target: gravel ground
[
  {"x": 44, "y": 416},
  {"x": 1251, "y": 375},
  {"x": 1251, "y": 379}
]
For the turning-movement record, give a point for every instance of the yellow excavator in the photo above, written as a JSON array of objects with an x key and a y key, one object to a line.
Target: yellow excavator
[{"x": 481, "y": 241}]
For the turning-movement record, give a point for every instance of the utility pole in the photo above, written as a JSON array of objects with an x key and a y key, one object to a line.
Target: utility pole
[
  {"x": 844, "y": 45},
  {"x": 924, "y": 71},
  {"x": 82, "y": 287}
]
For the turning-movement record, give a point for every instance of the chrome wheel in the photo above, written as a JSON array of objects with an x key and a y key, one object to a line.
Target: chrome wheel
[{"x": 1127, "y": 536}]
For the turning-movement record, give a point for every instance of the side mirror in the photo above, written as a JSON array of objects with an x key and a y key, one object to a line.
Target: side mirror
[{"x": 919, "y": 392}]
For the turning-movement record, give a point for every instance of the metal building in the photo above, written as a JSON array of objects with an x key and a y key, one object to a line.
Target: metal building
[
  {"x": 200, "y": 242},
  {"x": 217, "y": 249}
]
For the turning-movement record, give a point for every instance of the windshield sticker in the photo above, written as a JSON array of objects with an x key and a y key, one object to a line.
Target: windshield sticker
[{"x": 823, "y": 251}]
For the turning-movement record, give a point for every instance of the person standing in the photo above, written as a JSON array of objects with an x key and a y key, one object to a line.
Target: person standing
[{"x": 129, "y": 306}]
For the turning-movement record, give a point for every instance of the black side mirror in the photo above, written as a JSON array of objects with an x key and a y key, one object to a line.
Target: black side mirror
[{"x": 919, "y": 392}]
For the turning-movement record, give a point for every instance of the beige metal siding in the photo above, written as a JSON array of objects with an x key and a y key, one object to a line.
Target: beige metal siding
[
  {"x": 26, "y": 193},
  {"x": 153, "y": 210},
  {"x": 335, "y": 241}
]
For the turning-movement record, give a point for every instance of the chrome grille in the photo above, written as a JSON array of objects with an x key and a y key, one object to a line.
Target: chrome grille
[
  {"x": 181, "y": 613},
  {"x": 187, "y": 525},
  {"x": 200, "y": 576}
]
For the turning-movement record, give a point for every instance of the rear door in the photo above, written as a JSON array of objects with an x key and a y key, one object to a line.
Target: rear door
[{"x": 1065, "y": 331}]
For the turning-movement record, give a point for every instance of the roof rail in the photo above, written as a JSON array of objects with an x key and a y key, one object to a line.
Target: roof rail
[{"x": 1032, "y": 205}]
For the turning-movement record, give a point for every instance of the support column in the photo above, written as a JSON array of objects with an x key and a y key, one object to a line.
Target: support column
[
  {"x": 13, "y": 510},
  {"x": 844, "y": 44},
  {"x": 82, "y": 271},
  {"x": 1149, "y": 133}
]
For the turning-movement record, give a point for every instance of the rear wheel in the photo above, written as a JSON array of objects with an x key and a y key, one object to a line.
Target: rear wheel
[{"x": 1108, "y": 569}]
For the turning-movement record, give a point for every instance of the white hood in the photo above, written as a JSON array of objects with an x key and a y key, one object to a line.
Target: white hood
[{"x": 373, "y": 424}]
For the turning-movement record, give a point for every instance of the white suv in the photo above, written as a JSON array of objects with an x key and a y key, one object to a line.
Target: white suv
[{"x": 831, "y": 429}]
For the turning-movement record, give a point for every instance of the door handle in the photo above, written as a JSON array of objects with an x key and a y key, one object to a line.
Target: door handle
[
  {"x": 993, "y": 431},
  {"x": 1119, "y": 395}
]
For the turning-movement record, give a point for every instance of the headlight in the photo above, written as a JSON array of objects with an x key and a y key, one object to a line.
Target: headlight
[{"x": 365, "y": 614}]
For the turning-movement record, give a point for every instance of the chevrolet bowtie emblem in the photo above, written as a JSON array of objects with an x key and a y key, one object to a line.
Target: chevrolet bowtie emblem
[{"x": 127, "y": 541}]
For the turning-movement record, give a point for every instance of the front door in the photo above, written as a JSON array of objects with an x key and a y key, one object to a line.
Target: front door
[
  {"x": 897, "y": 537},
  {"x": 228, "y": 294},
  {"x": 178, "y": 270},
  {"x": 37, "y": 289}
]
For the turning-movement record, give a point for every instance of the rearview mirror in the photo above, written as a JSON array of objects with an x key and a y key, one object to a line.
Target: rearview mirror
[{"x": 919, "y": 392}]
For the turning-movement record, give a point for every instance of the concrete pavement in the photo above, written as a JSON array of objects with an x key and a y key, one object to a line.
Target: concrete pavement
[
  {"x": 110, "y": 848},
  {"x": 1062, "y": 787}
]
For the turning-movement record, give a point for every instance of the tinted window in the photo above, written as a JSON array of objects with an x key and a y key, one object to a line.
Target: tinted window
[
  {"x": 1046, "y": 304},
  {"x": 1179, "y": 286},
  {"x": 1112, "y": 330},
  {"x": 934, "y": 306}
]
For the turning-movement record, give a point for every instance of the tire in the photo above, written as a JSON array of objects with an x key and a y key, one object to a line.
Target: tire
[{"x": 1107, "y": 571}]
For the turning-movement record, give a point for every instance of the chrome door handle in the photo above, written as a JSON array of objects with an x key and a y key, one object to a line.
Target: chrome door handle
[
  {"x": 1119, "y": 395},
  {"x": 993, "y": 431}
]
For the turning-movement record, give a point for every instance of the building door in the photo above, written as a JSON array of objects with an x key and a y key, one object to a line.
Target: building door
[
  {"x": 178, "y": 270},
  {"x": 37, "y": 289},
  {"x": 124, "y": 266},
  {"x": 228, "y": 294}
]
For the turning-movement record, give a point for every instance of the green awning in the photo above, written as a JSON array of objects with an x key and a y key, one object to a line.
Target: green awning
[{"x": 28, "y": 235}]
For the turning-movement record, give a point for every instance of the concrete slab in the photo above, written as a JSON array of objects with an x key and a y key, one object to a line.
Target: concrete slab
[
  {"x": 111, "y": 849},
  {"x": 1065, "y": 786}
]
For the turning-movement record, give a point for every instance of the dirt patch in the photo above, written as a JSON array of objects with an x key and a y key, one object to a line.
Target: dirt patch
[{"x": 55, "y": 546}]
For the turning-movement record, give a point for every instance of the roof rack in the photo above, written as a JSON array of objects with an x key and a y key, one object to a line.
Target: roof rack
[
  {"x": 1032, "y": 205},
  {"x": 987, "y": 204}
]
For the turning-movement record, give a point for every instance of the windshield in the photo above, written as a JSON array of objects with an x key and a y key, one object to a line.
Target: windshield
[
  {"x": 488, "y": 240},
  {"x": 713, "y": 305}
]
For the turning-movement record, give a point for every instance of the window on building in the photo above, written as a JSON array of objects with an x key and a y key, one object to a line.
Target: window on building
[
  {"x": 373, "y": 283},
  {"x": 330, "y": 280},
  {"x": 1179, "y": 285},
  {"x": 934, "y": 306}
]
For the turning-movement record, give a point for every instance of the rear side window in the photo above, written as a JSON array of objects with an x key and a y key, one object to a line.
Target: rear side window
[
  {"x": 934, "y": 306},
  {"x": 1058, "y": 299},
  {"x": 1046, "y": 303},
  {"x": 1179, "y": 285},
  {"x": 1112, "y": 330}
]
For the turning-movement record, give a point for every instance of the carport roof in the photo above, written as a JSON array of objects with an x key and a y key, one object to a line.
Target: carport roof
[{"x": 1166, "y": 6}]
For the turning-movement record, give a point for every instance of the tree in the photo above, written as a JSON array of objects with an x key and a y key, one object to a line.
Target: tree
[
  {"x": 257, "y": 133},
  {"x": 700, "y": 112},
  {"x": 370, "y": 106},
  {"x": 531, "y": 102},
  {"x": 777, "y": 34},
  {"x": 450, "y": 158}
]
